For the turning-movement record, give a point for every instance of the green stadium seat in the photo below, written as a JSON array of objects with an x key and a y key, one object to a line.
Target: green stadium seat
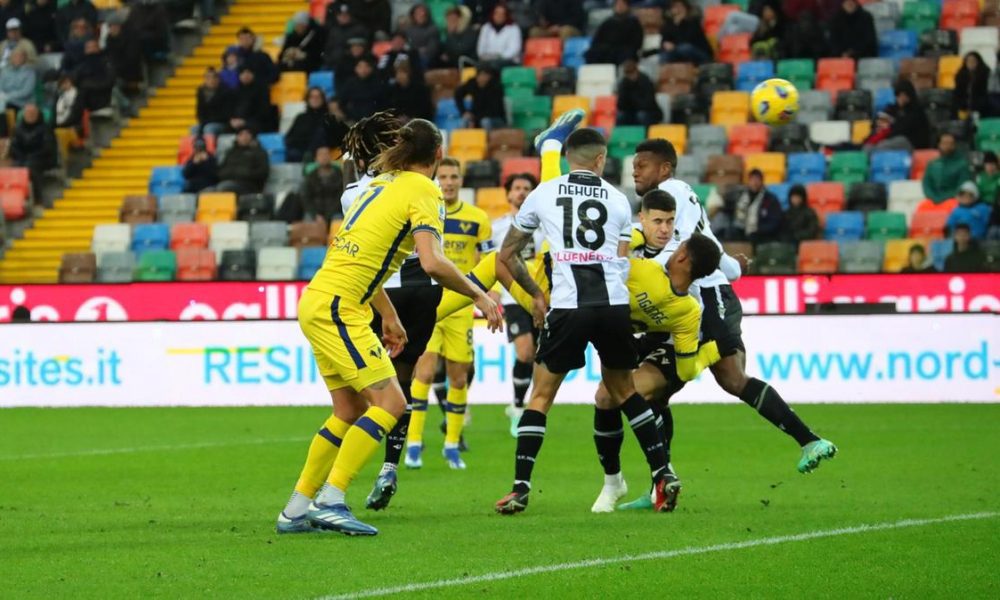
[
  {"x": 532, "y": 113},
  {"x": 800, "y": 71},
  {"x": 704, "y": 190},
  {"x": 624, "y": 139},
  {"x": 885, "y": 225},
  {"x": 518, "y": 82},
  {"x": 988, "y": 135},
  {"x": 775, "y": 258},
  {"x": 156, "y": 265},
  {"x": 920, "y": 16},
  {"x": 848, "y": 167}
]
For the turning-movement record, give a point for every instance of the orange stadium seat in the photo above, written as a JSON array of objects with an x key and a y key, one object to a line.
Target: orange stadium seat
[
  {"x": 380, "y": 49},
  {"x": 835, "y": 74},
  {"x": 15, "y": 178},
  {"x": 467, "y": 144},
  {"x": 818, "y": 256},
  {"x": 13, "y": 204},
  {"x": 919, "y": 162},
  {"x": 959, "y": 14},
  {"x": 730, "y": 108},
  {"x": 542, "y": 52},
  {"x": 215, "y": 207},
  {"x": 291, "y": 87},
  {"x": 561, "y": 104},
  {"x": 772, "y": 164},
  {"x": 195, "y": 264},
  {"x": 826, "y": 196},
  {"x": 186, "y": 149},
  {"x": 605, "y": 113},
  {"x": 493, "y": 200},
  {"x": 735, "y": 49},
  {"x": 714, "y": 17},
  {"x": 188, "y": 235},
  {"x": 748, "y": 139},
  {"x": 674, "y": 133},
  {"x": 928, "y": 224},
  {"x": 523, "y": 164}
]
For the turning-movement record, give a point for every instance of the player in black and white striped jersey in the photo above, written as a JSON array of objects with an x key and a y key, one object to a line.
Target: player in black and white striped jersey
[{"x": 587, "y": 224}]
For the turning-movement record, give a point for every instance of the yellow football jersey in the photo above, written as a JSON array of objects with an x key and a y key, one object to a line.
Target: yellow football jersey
[
  {"x": 467, "y": 232},
  {"x": 377, "y": 234}
]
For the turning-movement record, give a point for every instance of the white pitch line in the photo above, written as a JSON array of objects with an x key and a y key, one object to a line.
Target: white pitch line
[
  {"x": 662, "y": 554},
  {"x": 165, "y": 448}
]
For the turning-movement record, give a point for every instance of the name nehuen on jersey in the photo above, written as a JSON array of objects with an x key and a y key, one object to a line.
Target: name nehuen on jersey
[{"x": 586, "y": 191}]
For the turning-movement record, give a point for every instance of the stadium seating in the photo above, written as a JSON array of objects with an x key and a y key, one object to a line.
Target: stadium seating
[
  {"x": 676, "y": 134},
  {"x": 862, "y": 256},
  {"x": 238, "y": 265},
  {"x": 467, "y": 144},
  {"x": 848, "y": 167},
  {"x": 735, "y": 49},
  {"x": 790, "y": 138},
  {"x": 542, "y": 52},
  {"x": 307, "y": 233},
  {"x": 573, "y": 51},
  {"x": 771, "y": 164},
  {"x": 595, "y": 80},
  {"x": 826, "y": 196},
  {"x": 897, "y": 44},
  {"x": 867, "y": 196},
  {"x": 748, "y": 138},
  {"x": 775, "y": 258},
  {"x": 844, "y": 226},
  {"x": 921, "y": 71},
  {"x": 518, "y": 81},
  {"x": 928, "y": 225},
  {"x": 983, "y": 40},
  {"x": 138, "y": 209},
  {"x": 78, "y": 268},
  {"x": 806, "y": 167},
  {"x": 676, "y": 78},
  {"x": 818, "y": 256},
  {"x": 919, "y": 160},
  {"x": 310, "y": 260},
  {"x": 814, "y": 105},
  {"x": 276, "y": 264},
  {"x": 939, "y": 251},
  {"x": 920, "y": 16},
  {"x": 730, "y": 108},
  {"x": 177, "y": 208},
  {"x": 481, "y": 173},
  {"x": 216, "y": 206},
  {"x": 835, "y": 74},
  {"x": 255, "y": 207},
  {"x": 531, "y": 113},
  {"x": 751, "y": 73},
  {"x": 156, "y": 265},
  {"x": 264, "y": 234},
  {"x": 624, "y": 139},
  {"x": 557, "y": 81},
  {"x": 724, "y": 169},
  {"x": 897, "y": 254},
  {"x": 505, "y": 143},
  {"x": 959, "y": 14},
  {"x": 885, "y": 225},
  {"x": 801, "y": 72},
  {"x": 529, "y": 164},
  {"x": 830, "y": 133},
  {"x": 166, "y": 180},
  {"x": 605, "y": 113},
  {"x": 889, "y": 165},
  {"x": 151, "y": 236},
  {"x": 324, "y": 80},
  {"x": 195, "y": 264}
]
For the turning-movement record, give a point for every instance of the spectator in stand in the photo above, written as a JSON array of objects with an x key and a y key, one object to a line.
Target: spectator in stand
[
  {"x": 307, "y": 132},
  {"x": 68, "y": 13},
  {"x": 11, "y": 9},
  {"x": 341, "y": 27},
  {"x": 357, "y": 48},
  {"x": 801, "y": 221},
  {"x": 683, "y": 37},
  {"x": 17, "y": 81},
  {"x": 970, "y": 212},
  {"x": 364, "y": 94},
  {"x": 410, "y": 97},
  {"x": 805, "y": 37},
  {"x": 852, "y": 32},
  {"x": 988, "y": 181},
  {"x": 321, "y": 190},
  {"x": 556, "y": 18},
  {"x": 618, "y": 38},
  {"x": 971, "y": 83},
  {"x": 15, "y": 41},
  {"x": 245, "y": 168},
  {"x": 303, "y": 47},
  {"x": 637, "y": 97},
  {"x": 67, "y": 108},
  {"x": 94, "y": 78},
  {"x": 39, "y": 25},
  {"x": 230, "y": 73},
  {"x": 910, "y": 126},
  {"x": 820, "y": 10},
  {"x": 423, "y": 35},
  {"x": 125, "y": 53},
  {"x": 966, "y": 256},
  {"x": 399, "y": 52},
  {"x": 250, "y": 57},
  {"x": 149, "y": 23},
  {"x": 499, "y": 42},
  {"x": 459, "y": 39},
  {"x": 33, "y": 145},
  {"x": 756, "y": 214},
  {"x": 201, "y": 170},
  {"x": 215, "y": 105},
  {"x": 374, "y": 15},
  {"x": 765, "y": 43},
  {"x": 73, "y": 52},
  {"x": 945, "y": 173},
  {"x": 917, "y": 261},
  {"x": 881, "y": 131},
  {"x": 486, "y": 93},
  {"x": 252, "y": 107},
  {"x": 746, "y": 22}
]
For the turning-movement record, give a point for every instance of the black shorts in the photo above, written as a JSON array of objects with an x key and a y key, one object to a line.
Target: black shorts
[
  {"x": 519, "y": 322},
  {"x": 655, "y": 349},
  {"x": 417, "y": 310},
  {"x": 563, "y": 345},
  {"x": 721, "y": 319}
]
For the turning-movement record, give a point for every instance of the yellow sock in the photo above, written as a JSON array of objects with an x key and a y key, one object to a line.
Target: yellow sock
[
  {"x": 485, "y": 276},
  {"x": 551, "y": 155},
  {"x": 322, "y": 452},
  {"x": 360, "y": 442},
  {"x": 457, "y": 399},
  {"x": 419, "y": 392}
]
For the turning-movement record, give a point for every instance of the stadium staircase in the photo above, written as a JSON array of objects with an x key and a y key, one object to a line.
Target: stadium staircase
[{"x": 148, "y": 140}]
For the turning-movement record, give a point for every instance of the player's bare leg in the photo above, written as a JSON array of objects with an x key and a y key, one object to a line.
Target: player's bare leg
[{"x": 730, "y": 374}]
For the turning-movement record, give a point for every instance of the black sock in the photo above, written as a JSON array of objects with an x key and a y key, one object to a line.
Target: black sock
[
  {"x": 608, "y": 437},
  {"x": 396, "y": 439},
  {"x": 522, "y": 381},
  {"x": 769, "y": 404},
  {"x": 643, "y": 422},
  {"x": 440, "y": 386},
  {"x": 530, "y": 435},
  {"x": 664, "y": 426}
]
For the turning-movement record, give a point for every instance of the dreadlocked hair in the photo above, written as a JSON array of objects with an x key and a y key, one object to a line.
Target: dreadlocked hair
[
  {"x": 369, "y": 137},
  {"x": 417, "y": 144}
]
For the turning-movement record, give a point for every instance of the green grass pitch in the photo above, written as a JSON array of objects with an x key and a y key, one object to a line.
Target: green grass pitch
[{"x": 180, "y": 503}]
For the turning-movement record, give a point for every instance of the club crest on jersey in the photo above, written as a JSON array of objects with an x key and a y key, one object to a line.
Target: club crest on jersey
[{"x": 375, "y": 352}]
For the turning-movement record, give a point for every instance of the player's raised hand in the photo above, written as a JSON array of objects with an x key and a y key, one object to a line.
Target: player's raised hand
[
  {"x": 393, "y": 336},
  {"x": 490, "y": 311},
  {"x": 539, "y": 308}
]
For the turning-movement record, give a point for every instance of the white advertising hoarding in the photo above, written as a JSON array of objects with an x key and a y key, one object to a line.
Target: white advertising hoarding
[{"x": 885, "y": 358}]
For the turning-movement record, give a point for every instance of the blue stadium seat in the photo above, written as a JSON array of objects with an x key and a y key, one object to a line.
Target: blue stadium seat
[
  {"x": 573, "y": 50},
  {"x": 898, "y": 43},
  {"x": 806, "y": 167},
  {"x": 887, "y": 166},
  {"x": 324, "y": 81},
  {"x": 166, "y": 180},
  {"x": 752, "y": 72},
  {"x": 151, "y": 236},
  {"x": 310, "y": 260},
  {"x": 940, "y": 249},
  {"x": 844, "y": 226},
  {"x": 781, "y": 191},
  {"x": 884, "y": 97},
  {"x": 274, "y": 145},
  {"x": 447, "y": 116}
]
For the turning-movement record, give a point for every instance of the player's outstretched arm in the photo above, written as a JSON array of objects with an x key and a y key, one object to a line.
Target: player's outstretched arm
[
  {"x": 440, "y": 269},
  {"x": 511, "y": 259}
]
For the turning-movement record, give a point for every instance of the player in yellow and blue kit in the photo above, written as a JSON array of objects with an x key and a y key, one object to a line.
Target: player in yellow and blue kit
[
  {"x": 467, "y": 233},
  {"x": 399, "y": 212}
]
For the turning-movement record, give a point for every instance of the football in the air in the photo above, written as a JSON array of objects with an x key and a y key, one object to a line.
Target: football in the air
[{"x": 774, "y": 102}]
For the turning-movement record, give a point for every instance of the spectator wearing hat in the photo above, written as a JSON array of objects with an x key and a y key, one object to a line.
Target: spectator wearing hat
[
  {"x": 17, "y": 81},
  {"x": 303, "y": 47},
  {"x": 11, "y": 9},
  {"x": 480, "y": 100},
  {"x": 16, "y": 41},
  {"x": 988, "y": 181},
  {"x": 423, "y": 35},
  {"x": 970, "y": 211},
  {"x": 801, "y": 221},
  {"x": 618, "y": 38},
  {"x": 499, "y": 39},
  {"x": 556, "y": 18},
  {"x": 33, "y": 145},
  {"x": 250, "y": 57},
  {"x": 363, "y": 94},
  {"x": 125, "y": 53},
  {"x": 947, "y": 172},
  {"x": 340, "y": 27},
  {"x": 459, "y": 39},
  {"x": 245, "y": 168},
  {"x": 683, "y": 38},
  {"x": 756, "y": 214},
  {"x": 214, "y": 105},
  {"x": 916, "y": 261},
  {"x": 39, "y": 25},
  {"x": 966, "y": 255},
  {"x": 356, "y": 48},
  {"x": 307, "y": 133},
  {"x": 637, "y": 97},
  {"x": 69, "y": 13},
  {"x": 410, "y": 97}
]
